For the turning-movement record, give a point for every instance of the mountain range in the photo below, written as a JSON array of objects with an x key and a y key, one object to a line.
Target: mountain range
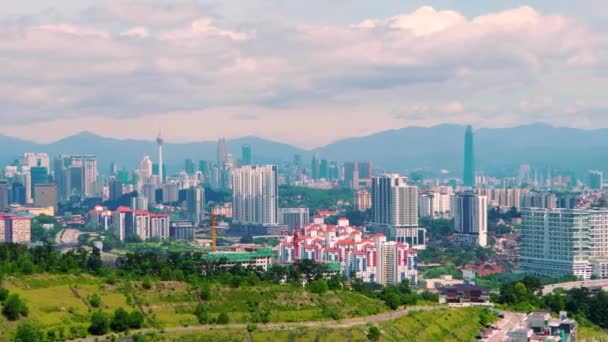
[{"x": 399, "y": 150}]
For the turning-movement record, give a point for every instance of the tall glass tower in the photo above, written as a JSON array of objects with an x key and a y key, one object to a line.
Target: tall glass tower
[{"x": 469, "y": 158}]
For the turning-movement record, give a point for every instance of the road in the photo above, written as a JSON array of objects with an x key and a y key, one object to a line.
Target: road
[
  {"x": 575, "y": 284},
  {"x": 67, "y": 236},
  {"x": 506, "y": 324},
  {"x": 346, "y": 323}
]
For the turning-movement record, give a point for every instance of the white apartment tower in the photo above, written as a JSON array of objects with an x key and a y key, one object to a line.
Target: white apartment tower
[
  {"x": 559, "y": 242},
  {"x": 394, "y": 203},
  {"x": 255, "y": 193}
]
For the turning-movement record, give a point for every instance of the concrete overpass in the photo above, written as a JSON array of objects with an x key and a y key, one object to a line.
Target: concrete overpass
[{"x": 575, "y": 284}]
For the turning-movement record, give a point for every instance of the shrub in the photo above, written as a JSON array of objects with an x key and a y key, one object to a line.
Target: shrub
[
  {"x": 318, "y": 286},
  {"x": 373, "y": 333},
  {"x": 135, "y": 319},
  {"x": 28, "y": 332},
  {"x": 120, "y": 320},
  {"x": 100, "y": 323},
  {"x": 95, "y": 300},
  {"x": 3, "y": 294},
  {"x": 223, "y": 318},
  {"x": 14, "y": 307}
]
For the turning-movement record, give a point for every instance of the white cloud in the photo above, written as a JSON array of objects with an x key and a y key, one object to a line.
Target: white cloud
[
  {"x": 134, "y": 60},
  {"x": 138, "y": 31}
]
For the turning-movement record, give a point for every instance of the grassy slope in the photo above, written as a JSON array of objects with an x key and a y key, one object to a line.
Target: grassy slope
[
  {"x": 59, "y": 302},
  {"x": 445, "y": 325}
]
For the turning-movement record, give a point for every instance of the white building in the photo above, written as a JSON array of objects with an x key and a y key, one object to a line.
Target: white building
[
  {"x": 255, "y": 193},
  {"x": 395, "y": 209},
  {"x": 556, "y": 242},
  {"x": 437, "y": 203},
  {"x": 470, "y": 219}
]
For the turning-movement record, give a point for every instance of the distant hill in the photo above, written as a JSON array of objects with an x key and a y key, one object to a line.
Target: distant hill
[{"x": 399, "y": 150}]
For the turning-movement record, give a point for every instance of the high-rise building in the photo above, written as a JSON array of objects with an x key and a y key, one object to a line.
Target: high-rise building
[
  {"x": 363, "y": 200},
  {"x": 15, "y": 229},
  {"x": 294, "y": 218},
  {"x": 394, "y": 202},
  {"x": 351, "y": 175},
  {"x": 556, "y": 242},
  {"x": 115, "y": 189},
  {"x": 39, "y": 175},
  {"x": 195, "y": 201},
  {"x": 315, "y": 168},
  {"x": 470, "y": 219},
  {"x": 4, "y": 190},
  {"x": 36, "y": 159},
  {"x": 222, "y": 152},
  {"x": 161, "y": 170},
  {"x": 17, "y": 193},
  {"x": 596, "y": 179},
  {"x": 468, "y": 178},
  {"x": 189, "y": 167},
  {"x": 246, "y": 157},
  {"x": 76, "y": 175},
  {"x": 45, "y": 196},
  {"x": 324, "y": 169},
  {"x": 255, "y": 195}
]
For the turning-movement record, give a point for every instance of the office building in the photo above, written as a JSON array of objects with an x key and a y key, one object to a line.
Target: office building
[
  {"x": 161, "y": 169},
  {"x": 195, "y": 201},
  {"x": 596, "y": 179},
  {"x": 189, "y": 167},
  {"x": 170, "y": 192},
  {"x": 351, "y": 175},
  {"x": 222, "y": 152},
  {"x": 255, "y": 193},
  {"x": 470, "y": 219},
  {"x": 36, "y": 160},
  {"x": 45, "y": 196},
  {"x": 558, "y": 242},
  {"x": 115, "y": 189},
  {"x": 294, "y": 218},
  {"x": 246, "y": 157},
  {"x": 468, "y": 178},
  {"x": 363, "y": 200},
  {"x": 315, "y": 168},
  {"x": 4, "y": 198},
  {"x": 17, "y": 193},
  {"x": 39, "y": 175},
  {"x": 75, "y": 175}
]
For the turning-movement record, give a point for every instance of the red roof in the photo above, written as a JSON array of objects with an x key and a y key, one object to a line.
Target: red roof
[
  {"x": 379, "y": 234},
  {"x": 123, "y": 210},
  {"x": 331, "y": 250},
  {"x": 359, "y": 253},
  {"x": 141, "y": 212},
  {"x": 346, "y": 242}
]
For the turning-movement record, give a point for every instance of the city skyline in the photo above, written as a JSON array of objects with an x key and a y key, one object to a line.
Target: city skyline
[{"x": 457, "y": 62}]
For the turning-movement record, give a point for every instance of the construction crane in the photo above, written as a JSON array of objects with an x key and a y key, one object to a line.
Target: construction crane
[{"x": 213, "y": 233}]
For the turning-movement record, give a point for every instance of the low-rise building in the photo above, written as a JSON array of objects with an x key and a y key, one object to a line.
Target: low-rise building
[
  {"x": 464, "y": 293},
  {"x": 540, "y": 326}
]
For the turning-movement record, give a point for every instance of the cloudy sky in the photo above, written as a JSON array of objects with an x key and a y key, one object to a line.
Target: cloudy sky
[{"x": 302, "y": 72}]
